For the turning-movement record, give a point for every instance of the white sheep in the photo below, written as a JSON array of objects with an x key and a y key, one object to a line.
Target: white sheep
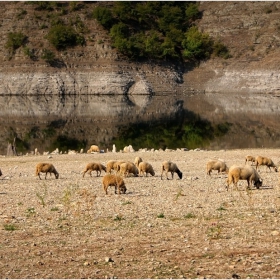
[
  {"x": 169, "y": 166},
  {"x": 93, "y": 148},
  {"x": 250, "y": 158},
  {"x": 246, "y": 172},
  {"x": 46, "y": 168},
  {"x": 216, "y": 165},
  {"x": 94, "y": 166},
  {"x": 145, "y": 167},
  {"x": 137, "y": 160},
  {"x": 265, "y": 161},
  {"x": 127, "y": 168},
  {"x": 113, "y": 180}
]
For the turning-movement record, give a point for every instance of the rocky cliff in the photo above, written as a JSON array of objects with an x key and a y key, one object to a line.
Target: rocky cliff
[{"x": 93, "y": 90}]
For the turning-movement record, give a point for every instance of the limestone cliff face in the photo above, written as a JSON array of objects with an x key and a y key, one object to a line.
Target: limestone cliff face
[{"x": 94, "y": 90}]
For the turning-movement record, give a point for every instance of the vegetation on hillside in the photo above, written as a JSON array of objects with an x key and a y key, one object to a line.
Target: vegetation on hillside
[{"x": 158, "y": 30}]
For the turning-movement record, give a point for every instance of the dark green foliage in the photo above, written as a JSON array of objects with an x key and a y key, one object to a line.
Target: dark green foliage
[
  {"x": 65, "y": 143},
  {"x": 104, "y": 16},
  {"x": 15, "y": 40},
  {"x": 29, "y": 52},
  {"x": 196, "y": 45},
  {"x": 48, "y": 56},
  {"x": 62, "y": 36},
  {"x": 191, "y": 132},
  {"x": 156, "y": 30},
  {"x": 220, "y": 50},
  {"x": 43, "y": 5}
]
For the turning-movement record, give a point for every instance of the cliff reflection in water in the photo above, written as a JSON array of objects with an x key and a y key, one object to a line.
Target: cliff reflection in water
[{"x": 98, "y": 118}]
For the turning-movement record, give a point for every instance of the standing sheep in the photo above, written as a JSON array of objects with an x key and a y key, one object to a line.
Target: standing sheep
[
  {"x": 93, "y": 148},
  {"x": 246, "y": 172},
  {"x": 169, "y": 166},
  {"x": 113, "y": 180},
  {"x": 250, "y": 158},
  {"x": 265, "y": 161},
  {"x": 216, "y": 165},
  {"x": 145, "y": 167},
  {"x": 46, "y": 168},
  {"x": 127, "y": 168},
  {"x": 137, "y": 160},
  {"x": 98, "y": 167}
]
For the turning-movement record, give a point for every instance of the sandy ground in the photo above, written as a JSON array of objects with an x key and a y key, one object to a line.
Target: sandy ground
[{"x": 189, "y": 228}]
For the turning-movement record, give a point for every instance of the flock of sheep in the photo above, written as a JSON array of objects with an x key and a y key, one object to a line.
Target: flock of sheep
[
  {"x": 120, "y": 169},
  {"x": 246, "y": 172},
  {"x": 117, "y": 170}
]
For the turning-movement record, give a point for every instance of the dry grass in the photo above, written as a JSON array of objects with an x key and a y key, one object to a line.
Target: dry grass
[{"x": 189, "y": 228}]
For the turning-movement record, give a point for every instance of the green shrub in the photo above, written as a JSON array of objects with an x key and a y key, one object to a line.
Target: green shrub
[
  {"x": 21, "y": 14},
  {"x": 221, "y": 50},
  {"x": 197, "y": 45},
  {"x": 61, "y": 37},
  {"x": 103, "y": 16},
  {"x": 28, "y": 52},
  {"x": 48, "y": 56},
  {"x": 15, "y": 40}
]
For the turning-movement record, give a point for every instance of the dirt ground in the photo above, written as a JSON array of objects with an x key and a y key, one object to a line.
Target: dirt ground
[{"x": 189, "y": 228}]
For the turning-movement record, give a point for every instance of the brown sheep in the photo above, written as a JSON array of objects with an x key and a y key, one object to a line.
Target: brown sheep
[
  {"x": 265, "y": 161},
  {"x": 110, "y": 166},
  {"x": 93, "y": 148},
  {"x": 169, "y": 166},
  {"x": 246, "y": 172},
  {"x": 216, "y": 165},
  {"x": 116, "y": 165},
  {"x": 250, "y": 158},
  {"x": 127, "y": 168},
  {"x": 145, "y": 167},
  {"x": 137, "y": 160},
  {"x": 98, "y": 167},
  {"x": 46, "y": 168},
  {"x": 114, "y": 180}
]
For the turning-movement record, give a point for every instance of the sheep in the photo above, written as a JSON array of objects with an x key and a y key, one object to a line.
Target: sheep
[
  {"x": 146, "y": 167},
  {"x": 98, "y": 167},
  {"x": 265, "y": 161},
  {"x": 246, "y": 172},
  {"x": 169, "y": 166},
  {"x": 127, "y": 168},
  {"x": 93, "y": 148},
  {"x": 216, "y": 165},
  {"x": 110, "y": 166},
  {"x": 116, "y": 165},
  {"x": 137, "y": 160},
  {"x": 113, "y": 180},
  {"x": 250, "y": 158},
  {"x": 46, "y": 168}
]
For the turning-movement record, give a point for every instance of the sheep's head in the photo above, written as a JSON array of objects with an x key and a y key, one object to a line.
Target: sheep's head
[
  {"x": 180, "y": 174},
  {"x": 258, "y": 183},
  {"x": 123, "y": 189}
]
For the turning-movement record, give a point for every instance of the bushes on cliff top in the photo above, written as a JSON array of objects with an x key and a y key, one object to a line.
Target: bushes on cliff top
[
  {"x": 157, "y": 30},
  {"x": 63, "y": 36},
  {"x": 15, "y": 40}
]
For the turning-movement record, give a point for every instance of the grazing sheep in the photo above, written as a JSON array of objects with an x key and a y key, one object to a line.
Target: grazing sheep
[
  {"x": 93, "y": 148},
  {"x": 246, "y": 172},
  {"x": 137, "y": 161},
  {"x": 216, "y": 165},
  {"x": 146, "y": 167},
  {"x": 110, "y": 166},
  {"x": 250, "y": 158},
  {"x": 116, "y": 165},
  {"x": 127, "y": 168},
  {"x": 98, "y": 167},
  {"x": 113, "y": 180},
  {"x": 265, "y": 161},
  {"x": 46, "y": 168},
  {"x": 169, "y": 166}
]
